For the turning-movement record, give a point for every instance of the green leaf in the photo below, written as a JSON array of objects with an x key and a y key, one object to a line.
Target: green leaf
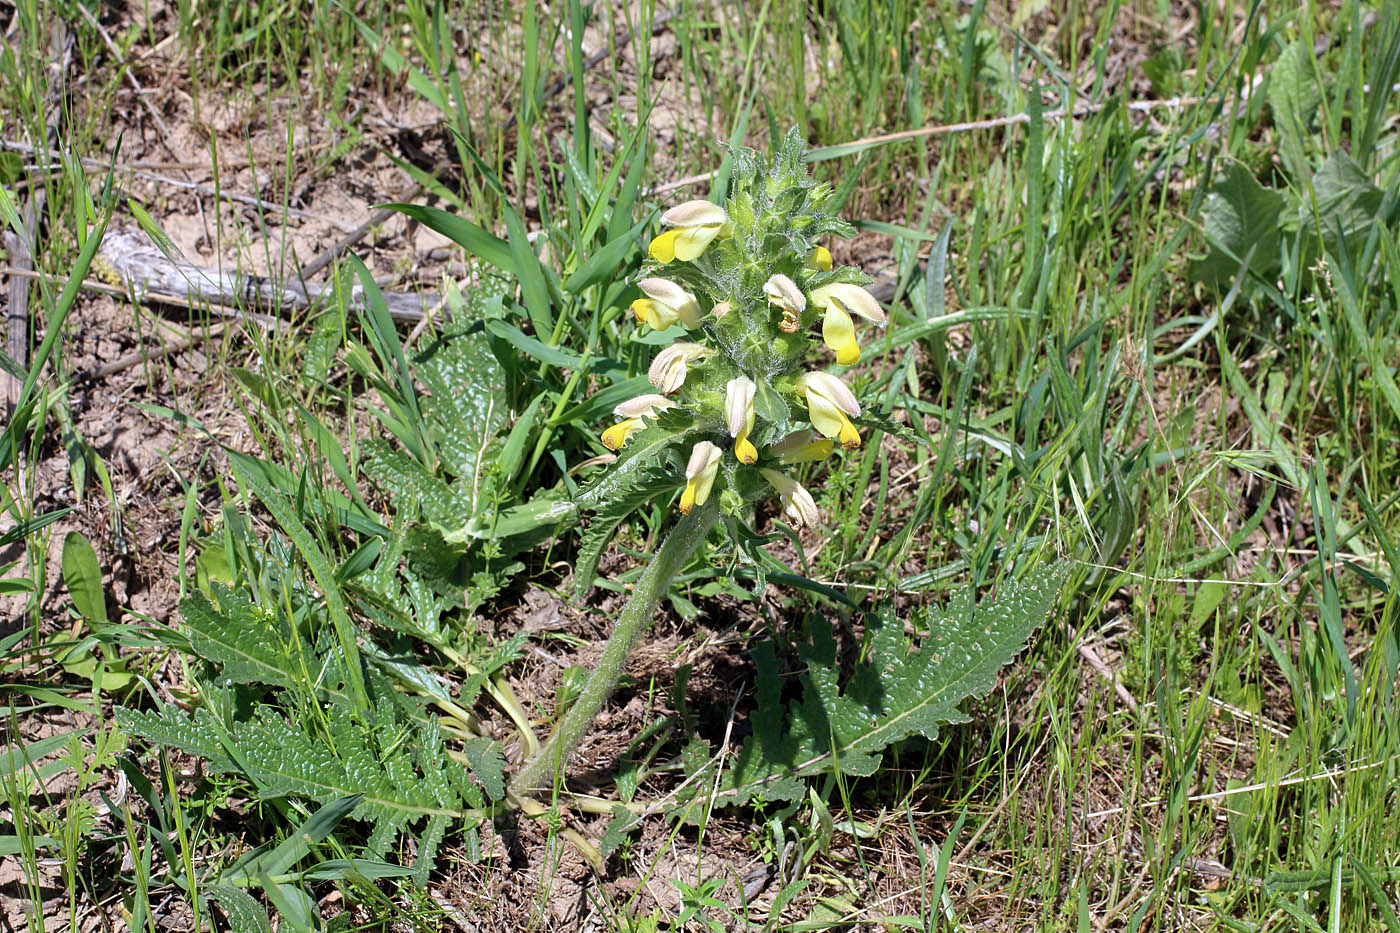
[
  {"x": 466, "y": 405},
  {"x": 1347, "y": 203},
  {"x": 244, "y": 913},
  {"x": 487, "y": 765},
  {"x": 298, "y": 843},
  {"x": 1241, "y": 219},
  {"x": 641, "y": 487},
  {"x": 306, "y": 544},
  {"x": 895, "y": 692},
  {"x": 472, "y": 238},
  {"x": 82, "y": 574},
  {"x": 409, "y": 780},
  {"x": 1294, "y": 94}
]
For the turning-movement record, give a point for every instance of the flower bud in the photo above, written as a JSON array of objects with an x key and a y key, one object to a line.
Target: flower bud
[
  {"x": 667, "y": 371},
  {"x": 829, "y": 401},
  {"x": 784, "y": 294},
  {"x": 665, "y": 304},
  {"x": 700, "y": 475},
  {"x": 696, "y": 224},
  {"x": 738, "y": 415},
  {"x": 798, "y": 506},
  {"x": 643, "y": 406}
]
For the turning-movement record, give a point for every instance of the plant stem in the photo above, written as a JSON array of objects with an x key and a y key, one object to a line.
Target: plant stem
[{"x": 656, "y": 579}]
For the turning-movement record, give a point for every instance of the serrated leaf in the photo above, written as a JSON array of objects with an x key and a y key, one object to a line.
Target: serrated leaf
[
  {"x": 642, "y": 486},
  {"x": 409, "y": 482},
  {"x": 249, "y": 644},
  {"x": 488, "y": 766},
  {"x": 244, "y": 913},
  {"x": 466, "y": 407},
  {"x": 615, "y": 835},
  {"x": 281, "y": 759},
  {"x": 898, "y": 691},
  {"x": 641, "y": 452},
  {"x": 392, "y": 754}
]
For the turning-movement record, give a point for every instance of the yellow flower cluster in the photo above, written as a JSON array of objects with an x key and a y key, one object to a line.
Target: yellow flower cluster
[{"x": 692, "y": 228}]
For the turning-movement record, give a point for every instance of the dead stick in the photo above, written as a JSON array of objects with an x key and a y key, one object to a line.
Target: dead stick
[
  {"x": 354, "y": 236},
  {"x": 145, "y": 353}
]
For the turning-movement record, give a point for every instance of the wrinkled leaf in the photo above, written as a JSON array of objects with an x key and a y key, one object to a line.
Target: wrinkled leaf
[{"x": 1240, "y": 215}]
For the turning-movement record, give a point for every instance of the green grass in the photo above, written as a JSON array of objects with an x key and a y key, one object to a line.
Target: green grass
[{"x": 1208, "y": 434}]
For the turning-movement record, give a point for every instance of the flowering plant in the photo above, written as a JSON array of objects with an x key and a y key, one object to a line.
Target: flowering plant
[{"x": 742, "y": 393}]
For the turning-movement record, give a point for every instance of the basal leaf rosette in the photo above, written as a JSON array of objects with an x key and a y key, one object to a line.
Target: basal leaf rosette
[{"x": 755, "y": 304}]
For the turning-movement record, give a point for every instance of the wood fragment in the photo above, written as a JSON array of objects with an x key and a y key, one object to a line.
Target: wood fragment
[
  {"x": 1104, "y": 671},
  {"x": 146, "y": 271}
]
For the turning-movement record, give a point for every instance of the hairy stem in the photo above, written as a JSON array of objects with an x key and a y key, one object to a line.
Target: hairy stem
[{"x": 690, "y": 531}]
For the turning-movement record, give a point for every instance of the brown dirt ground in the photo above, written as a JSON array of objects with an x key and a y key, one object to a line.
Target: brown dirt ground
[{"x": 523, "y": 883}]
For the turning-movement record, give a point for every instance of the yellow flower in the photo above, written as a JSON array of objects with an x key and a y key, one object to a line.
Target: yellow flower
[
  {"x": 667, "y": 371},
  {"x": 829, "y": 401},
  {"x": 820, "y": 259},
  {"x": 738, "y": 414},
  {"x": 784, "y": 294},
  {"x": 696, "y": 224},
  {"x": 798, "y": 505},
  {"x": 643, "y": 406},
  {"x": 801, "y": 447},
  {"x": 841, "y": 300},
  {"x": 700, "y": 475},
  {"x": 665, "y": 304},
  {"x": 619, "y": 434}
]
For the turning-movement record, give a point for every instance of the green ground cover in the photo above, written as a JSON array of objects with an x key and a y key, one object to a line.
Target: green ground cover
[{"x": 282, "y": 629}]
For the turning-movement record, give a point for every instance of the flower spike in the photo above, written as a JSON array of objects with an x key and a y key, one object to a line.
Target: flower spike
[
  {"x": 665, "y": 304},
  {"x": 798, "y": 505},
  {"x": 738, "y": 415},
  {"x": 699, "y": 475},
  {"x": 696, "y": 224},
  {"x": 829, "y": 401},
  {"x": 841, "y": 300}
]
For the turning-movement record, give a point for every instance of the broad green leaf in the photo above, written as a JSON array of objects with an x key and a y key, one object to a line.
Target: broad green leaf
[
  {"x": 1240, "y": 216},
  {"x": 82, "y": 574},
  {"x": 244, "y": 913},
  {"x": 1347, "y": 203},
  {"x": 466, "y": 405},
  {"x": 1294, "y": 94}
]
